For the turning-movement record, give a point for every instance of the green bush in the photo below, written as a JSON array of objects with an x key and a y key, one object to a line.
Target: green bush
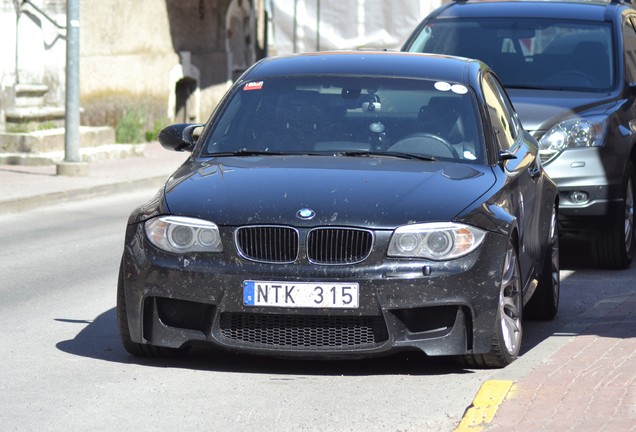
[
  {"x": 129, "y": 128},
  {"x": 136, "y": 118}
]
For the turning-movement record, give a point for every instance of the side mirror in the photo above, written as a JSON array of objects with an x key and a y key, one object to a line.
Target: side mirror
[
  {"x": 180, "y": 137},
  {"x": 506, "y": 155}
]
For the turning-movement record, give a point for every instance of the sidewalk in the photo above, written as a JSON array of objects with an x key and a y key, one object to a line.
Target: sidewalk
[
  {"x": 588, "y": 385},
  {"x": 24, "y": 187}
]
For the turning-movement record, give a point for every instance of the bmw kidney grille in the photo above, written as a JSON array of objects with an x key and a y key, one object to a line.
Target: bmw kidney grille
[{"x": 327, "y": 246}]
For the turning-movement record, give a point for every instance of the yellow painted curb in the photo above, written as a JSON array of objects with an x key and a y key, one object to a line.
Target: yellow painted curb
[{"x": 484, "y": 406}]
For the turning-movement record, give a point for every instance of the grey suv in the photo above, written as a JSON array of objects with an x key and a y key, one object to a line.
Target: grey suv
[{"x": 570, "y": 70}]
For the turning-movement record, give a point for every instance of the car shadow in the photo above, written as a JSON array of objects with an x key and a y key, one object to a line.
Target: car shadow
[{"x": 577, "y": 253}]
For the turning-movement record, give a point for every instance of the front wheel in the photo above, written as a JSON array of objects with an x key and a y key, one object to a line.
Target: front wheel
[
  {"x": 615, "y": 244},
  {"x": 506, "y": 341}
]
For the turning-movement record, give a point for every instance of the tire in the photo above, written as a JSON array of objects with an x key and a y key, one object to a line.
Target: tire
[
  {"x": 615, "y": 243},
  {"x": 134, "y": 348},
  {"x": 544, "y": 303},
  {"x": 508, "y": 331}
]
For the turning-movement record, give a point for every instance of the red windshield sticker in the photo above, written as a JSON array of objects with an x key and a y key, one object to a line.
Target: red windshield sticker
[{"x": 255, "y": 85}]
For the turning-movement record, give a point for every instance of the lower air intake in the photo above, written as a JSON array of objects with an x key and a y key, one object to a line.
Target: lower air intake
[{"x": 303, "y": 331}]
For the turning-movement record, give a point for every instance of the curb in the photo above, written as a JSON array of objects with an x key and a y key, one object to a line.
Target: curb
[{"x": 485, "y": 405}]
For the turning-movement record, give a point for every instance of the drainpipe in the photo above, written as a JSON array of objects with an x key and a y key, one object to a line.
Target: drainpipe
[
  {"x": 317, "y": 25},
  {"x": 18, "y": 11},
  {"x": 295, "y": 37}
]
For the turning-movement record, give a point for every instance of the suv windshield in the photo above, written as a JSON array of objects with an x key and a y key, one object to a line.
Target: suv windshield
[
  {"x": 529, "y": 53},
  {"x": 349, "y": 116}
]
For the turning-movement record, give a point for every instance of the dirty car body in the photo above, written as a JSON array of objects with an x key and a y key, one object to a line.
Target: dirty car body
[{"x": 325, "y": 213}]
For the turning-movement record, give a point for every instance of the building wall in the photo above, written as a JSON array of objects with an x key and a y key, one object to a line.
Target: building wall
[
  {"x": 131, "y": 53},
  {"x": 7, "y": 56},
  {"x": 141, "y": 53},
  {"x": 42, "y": 45}
]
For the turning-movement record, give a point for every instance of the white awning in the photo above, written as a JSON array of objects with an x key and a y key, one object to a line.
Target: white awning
[{"x": 320, "y": 25}]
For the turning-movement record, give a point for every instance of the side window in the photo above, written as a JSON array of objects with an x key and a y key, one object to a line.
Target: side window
[
  {"x": 629, "y": 43},
  {"x": 511, "y": 114},
  {"x": 504, "y": 126}
]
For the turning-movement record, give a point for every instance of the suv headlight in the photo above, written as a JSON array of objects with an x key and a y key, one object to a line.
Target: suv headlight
[
  {"x": 436, "y": 241},
  {"x": 572, "y": 133},
  {"x": 180, "y": 234}
]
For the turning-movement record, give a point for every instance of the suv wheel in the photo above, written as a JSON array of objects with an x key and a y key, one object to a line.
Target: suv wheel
[{"x": 615, "y": 245}]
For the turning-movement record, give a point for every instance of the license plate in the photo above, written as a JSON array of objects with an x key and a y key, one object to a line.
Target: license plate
[{"x": 300, "y": 294}]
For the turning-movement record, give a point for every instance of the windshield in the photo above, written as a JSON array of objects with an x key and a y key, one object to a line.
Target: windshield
[
  {"x": 349, "y": 116},
  {"x": 528, "y": 53}
]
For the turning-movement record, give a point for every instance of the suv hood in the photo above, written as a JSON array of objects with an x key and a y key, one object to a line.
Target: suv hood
[
  {"x": 355, "y": 191},
  {"x": 539, "y": 110}
]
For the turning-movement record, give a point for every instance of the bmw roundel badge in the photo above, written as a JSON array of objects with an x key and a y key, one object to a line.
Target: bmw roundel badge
[{"x": 305, "y": 214}]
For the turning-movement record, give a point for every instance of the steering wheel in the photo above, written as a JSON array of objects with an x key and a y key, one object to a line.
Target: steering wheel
[{"x": 425, "y": 144}]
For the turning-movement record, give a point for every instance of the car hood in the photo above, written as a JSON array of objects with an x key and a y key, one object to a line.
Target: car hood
[
  {"x": 540, "y": 109},
  {"x": 354, "y": 191}
]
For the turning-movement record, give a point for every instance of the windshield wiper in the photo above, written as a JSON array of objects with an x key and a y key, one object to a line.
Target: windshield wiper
[
  {"x": 386, "y": 154},
  {"x": 556, "y": 88},
  {"x": 526, "y": 87},
  {"x": 248, "y": 152}
]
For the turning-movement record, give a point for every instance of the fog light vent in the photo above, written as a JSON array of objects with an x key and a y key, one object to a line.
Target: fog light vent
[{"x": 579, "y": 197}]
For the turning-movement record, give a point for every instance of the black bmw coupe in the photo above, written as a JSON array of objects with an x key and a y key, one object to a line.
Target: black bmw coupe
[{"x": 344, "y": 205}]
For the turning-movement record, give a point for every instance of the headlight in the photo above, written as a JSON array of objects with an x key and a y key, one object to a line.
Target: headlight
[
  {"x": 579, "y": 132},
  {"x": 183, "y": 235},
  {"x": 436, "y": 241}
]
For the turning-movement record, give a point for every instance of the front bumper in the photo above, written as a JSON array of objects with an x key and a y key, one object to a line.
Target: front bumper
[
  {"x": 439, "y": 308},
  {"x": 590, "y": 183}
]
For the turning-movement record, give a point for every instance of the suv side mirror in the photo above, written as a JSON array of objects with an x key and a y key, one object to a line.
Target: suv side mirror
[
  {"x": 506, "y": 155},
  {"x": 180, "y": 137}
]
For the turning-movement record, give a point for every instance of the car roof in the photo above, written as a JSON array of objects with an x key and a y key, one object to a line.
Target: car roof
[
  {"x": 571, "y": 9},
  {"x": 367, "y": 63}
]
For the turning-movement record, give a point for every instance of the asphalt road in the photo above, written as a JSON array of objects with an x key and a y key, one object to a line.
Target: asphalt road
[{"x": 63, "y": 367}]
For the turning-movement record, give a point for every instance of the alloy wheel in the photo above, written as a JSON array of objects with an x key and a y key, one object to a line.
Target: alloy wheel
[
  {"x": 510, "y": 303},
  {"x": 629, "y": 215},
  {"x": 554, "y": 257}
]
